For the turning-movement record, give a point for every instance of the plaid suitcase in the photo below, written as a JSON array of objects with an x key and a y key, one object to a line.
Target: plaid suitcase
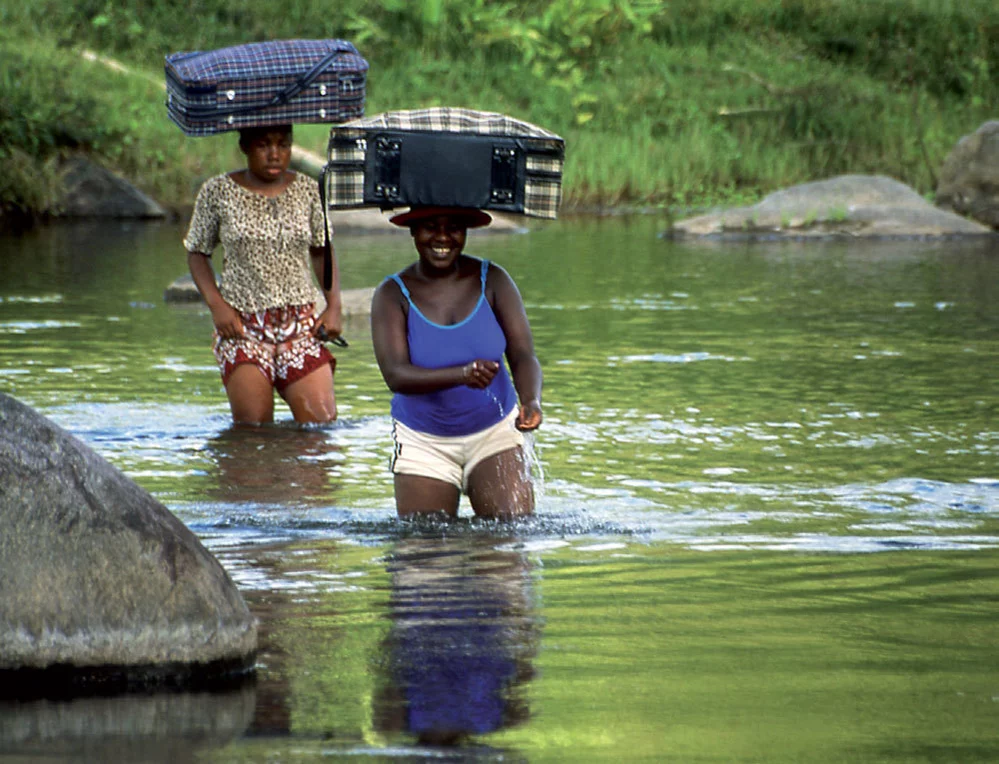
[
  {"x": 265, "y": 83},
  {"x": 444, "y": 156}
]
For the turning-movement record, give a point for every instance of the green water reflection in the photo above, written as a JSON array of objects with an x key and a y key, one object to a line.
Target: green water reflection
[
  {"x": 768, "y": 524},
  {"x": 647, "y": 653}
]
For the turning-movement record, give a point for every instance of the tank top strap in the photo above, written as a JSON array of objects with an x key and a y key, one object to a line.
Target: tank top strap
[
  {"x": 485, "y": 271},
  {"x": 405, "y": 292}
]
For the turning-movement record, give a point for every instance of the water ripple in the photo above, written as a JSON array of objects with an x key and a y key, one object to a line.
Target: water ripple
[{"x": 924, "y": 515}]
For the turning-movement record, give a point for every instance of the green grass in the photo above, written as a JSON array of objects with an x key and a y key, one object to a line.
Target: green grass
[{"x": 680, "y": 104}]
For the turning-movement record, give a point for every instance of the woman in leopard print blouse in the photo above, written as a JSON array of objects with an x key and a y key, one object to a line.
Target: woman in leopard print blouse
[{"x": 267, "y": 308}]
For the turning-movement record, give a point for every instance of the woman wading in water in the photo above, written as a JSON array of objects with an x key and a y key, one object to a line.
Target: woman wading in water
[
  {"x": 267, "y": 310},
  {"x": 441, "y": 330}
]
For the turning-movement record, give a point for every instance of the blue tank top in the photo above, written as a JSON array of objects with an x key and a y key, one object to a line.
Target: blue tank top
[{"x": 459, "y": 410}]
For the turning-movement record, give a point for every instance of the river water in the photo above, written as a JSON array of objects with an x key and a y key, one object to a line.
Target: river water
[{"x": 768, "y": 522}]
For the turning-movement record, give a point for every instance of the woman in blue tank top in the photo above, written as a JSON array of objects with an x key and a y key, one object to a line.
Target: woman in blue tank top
[{"x": 444, "y": 331}]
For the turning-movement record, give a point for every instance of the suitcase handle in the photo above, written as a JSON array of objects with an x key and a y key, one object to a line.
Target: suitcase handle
[
  {"x": 289, "y": 92},
  {"x": 327, "y": 245}
]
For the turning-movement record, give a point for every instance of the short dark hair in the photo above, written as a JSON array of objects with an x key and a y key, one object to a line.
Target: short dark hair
[{"x": 248, "y": 134}]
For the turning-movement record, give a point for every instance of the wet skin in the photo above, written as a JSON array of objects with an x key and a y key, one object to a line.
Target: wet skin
[{"x": 446, "y": 286}]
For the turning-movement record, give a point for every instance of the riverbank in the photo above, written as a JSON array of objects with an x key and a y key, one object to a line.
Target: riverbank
[{"x": 701, "y": 103}]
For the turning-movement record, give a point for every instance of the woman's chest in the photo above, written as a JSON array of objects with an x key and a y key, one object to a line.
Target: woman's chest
[
  {"x": 447, "y": 302},
  {"x": 253, "y": 222}
]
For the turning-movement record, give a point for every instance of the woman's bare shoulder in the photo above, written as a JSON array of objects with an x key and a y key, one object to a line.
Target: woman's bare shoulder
[{"x": 387, "y": 290}]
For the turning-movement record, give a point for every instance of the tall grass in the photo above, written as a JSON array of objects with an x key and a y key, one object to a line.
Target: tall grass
[
  {"x": 686, "y": 102},
  {"x": 54, "y": 103}
]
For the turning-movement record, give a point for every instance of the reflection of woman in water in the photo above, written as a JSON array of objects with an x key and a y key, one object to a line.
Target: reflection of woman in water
[
  {"x": 273, "y": 465},
  {"x": 464, "y": 633}
]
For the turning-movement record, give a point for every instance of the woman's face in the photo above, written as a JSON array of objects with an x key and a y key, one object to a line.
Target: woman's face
[
  {"x": 440, "y": 239},
  {"x": 268, "y": 154}
]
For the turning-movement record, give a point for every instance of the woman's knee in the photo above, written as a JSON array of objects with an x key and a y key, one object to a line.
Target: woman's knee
[
  {"x": 312, "y": 398},
  {"x": 501, "y": 487}
]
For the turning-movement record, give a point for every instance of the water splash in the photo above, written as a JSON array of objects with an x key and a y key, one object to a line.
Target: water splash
[
  {"x": 535, "y": 466},
  {"x": 532, "y": 459},
  {"x": 496, "y": 400}
]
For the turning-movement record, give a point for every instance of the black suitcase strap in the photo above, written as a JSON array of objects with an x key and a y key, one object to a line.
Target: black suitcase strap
[
  {"x": 327, "y": 246},
  {"x": 283, "y": 97}
]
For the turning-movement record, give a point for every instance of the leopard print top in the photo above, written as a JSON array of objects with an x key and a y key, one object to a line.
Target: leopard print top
[{"x": 265, "y": 240}]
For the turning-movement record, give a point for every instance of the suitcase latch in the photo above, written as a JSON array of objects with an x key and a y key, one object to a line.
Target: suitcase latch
[
  {"x": 504, "y": 175},
  {"x": 388, "y": 152}
]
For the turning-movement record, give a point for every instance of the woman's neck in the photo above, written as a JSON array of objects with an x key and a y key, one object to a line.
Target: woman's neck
[{"x": 251, "y": 182}]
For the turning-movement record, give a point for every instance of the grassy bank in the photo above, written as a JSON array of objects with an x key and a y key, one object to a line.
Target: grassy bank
[{"x": 683, "y": 104}]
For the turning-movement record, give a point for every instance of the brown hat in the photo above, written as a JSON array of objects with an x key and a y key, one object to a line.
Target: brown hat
[{"x": 473, "y": 218}]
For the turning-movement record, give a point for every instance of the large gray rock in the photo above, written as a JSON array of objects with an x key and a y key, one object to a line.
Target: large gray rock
[
  {"x": 91, "y": 191},
  {"x": 969, "y": 178},
  {"x": 854, "y": 205},
  {"x": 95, "y": 573}
]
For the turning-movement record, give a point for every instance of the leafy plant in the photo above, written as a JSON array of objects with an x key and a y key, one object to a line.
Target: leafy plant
[{"x": 684, "y": 103}]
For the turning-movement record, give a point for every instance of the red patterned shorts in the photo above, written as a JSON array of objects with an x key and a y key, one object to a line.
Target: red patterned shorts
[{"x": 279, "y": 342}]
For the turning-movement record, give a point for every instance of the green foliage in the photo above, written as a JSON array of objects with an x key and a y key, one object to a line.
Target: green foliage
[
  {"x": 27, "y": 185},
  {"x": 38, "y": 113},
  {"x": 944, "y": 46},
  {"x": 41, "y": 119},
  {"x": 54, "y": 103},
  {"x": 685, "y": 102}
]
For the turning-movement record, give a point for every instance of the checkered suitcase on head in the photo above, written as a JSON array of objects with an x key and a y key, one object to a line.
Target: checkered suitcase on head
[
  {"x": 265, "y": 83},
  {"x": 444, "y": 156}
]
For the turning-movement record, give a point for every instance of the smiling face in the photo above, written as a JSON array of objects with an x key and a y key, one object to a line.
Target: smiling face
[
  {"x": 440, "y": 239},
  {"x": 268, "y": 153}
]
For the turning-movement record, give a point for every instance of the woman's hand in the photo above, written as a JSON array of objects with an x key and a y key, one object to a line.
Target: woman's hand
[
  {"x": 330, "y": 323},
  {"x": 479, "y": 373},
  {"x": 227, "y": 322},
  {"x": 529, "y": 417}
]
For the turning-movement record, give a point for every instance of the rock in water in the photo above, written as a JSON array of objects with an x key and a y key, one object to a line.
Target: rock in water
[
  {"x": 969, "y": 178},
  {"x": 91, "y": 191},
  {"x": 96, "y": 576},
  {"x": 847, "y": 205}
]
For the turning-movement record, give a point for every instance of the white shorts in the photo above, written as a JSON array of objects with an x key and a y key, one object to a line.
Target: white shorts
[{"x": 450, "y": 459}]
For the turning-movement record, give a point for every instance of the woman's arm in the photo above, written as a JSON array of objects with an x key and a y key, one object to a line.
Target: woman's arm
[
  {"x": 524, "y": 365},
  {"x": 331, "y": 319},
  {"x": 388, "y": 334},
  {"x": 225, "y": 317}
]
